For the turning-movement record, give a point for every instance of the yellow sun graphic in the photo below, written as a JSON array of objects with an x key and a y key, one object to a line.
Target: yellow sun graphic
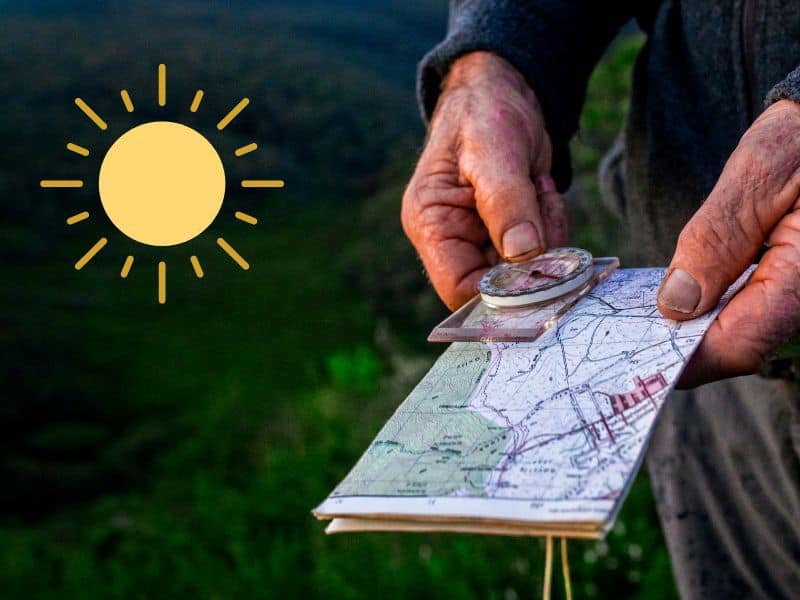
[{"x": 161, "y": 183}]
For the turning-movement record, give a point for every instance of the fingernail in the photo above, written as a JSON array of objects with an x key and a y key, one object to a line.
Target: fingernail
[
  {"x": 520, "y": 239},
  {"x": 680, "y": 292}
]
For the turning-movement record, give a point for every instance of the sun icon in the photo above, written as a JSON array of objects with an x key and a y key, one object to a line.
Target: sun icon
[{"x": 161, "y": 183}]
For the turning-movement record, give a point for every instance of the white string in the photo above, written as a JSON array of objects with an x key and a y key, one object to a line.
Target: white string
[
  {"x": 565, "y": 568},
  {"x": 548, "y": 567}
]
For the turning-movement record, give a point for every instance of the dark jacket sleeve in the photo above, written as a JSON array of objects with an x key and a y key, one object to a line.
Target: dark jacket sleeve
[
  {"x": 788, "y": 89},
  {"x": 555, "y": 44}
]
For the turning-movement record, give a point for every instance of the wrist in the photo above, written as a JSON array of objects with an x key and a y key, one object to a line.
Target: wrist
[
  {"x": 487, "y": 70},
  {"x": 481, "y": 65}
]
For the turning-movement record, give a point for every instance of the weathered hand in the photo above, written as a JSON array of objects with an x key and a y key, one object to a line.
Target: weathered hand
[
  {"x": 755, "y": 201},
  {"x": 473, "y": 196}
]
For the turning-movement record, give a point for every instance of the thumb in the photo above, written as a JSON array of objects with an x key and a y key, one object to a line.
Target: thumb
[
  {"x": 709, "y": 257},
  {"x": 717, "y": 244},
  {"x": 510, "y": 211},
  {"x": 506, "y": 199},
  {"x": 756, "y": 188}
]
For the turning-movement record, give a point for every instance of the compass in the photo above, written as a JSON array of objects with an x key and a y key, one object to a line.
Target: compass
[{"x": 551, "y": 275}]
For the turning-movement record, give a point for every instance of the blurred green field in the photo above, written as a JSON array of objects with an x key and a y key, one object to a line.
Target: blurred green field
[{"x": 177, "y": 450}]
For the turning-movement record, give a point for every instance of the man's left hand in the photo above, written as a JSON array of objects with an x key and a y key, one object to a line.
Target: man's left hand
[{"x": 756, "y": 201}]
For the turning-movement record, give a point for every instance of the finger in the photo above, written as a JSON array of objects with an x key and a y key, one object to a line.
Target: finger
[
  {"x": 763, "y": 315},
  {"x": 553, "y": 211},
  {"x": 455, "y": 267},
  {"x": 496, "y": 160},
  {"x": 756, "y": 188},
  {"x": 439, "y": 220}
]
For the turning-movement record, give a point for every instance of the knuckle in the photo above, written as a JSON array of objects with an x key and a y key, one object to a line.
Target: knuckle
[
  {"x": 766, "y": 160},
  {"x": 432, "y": 223},
  {"x": 408, "y": 209},
  {"x": 502, "y": 192},
  {"x": 417, "y": 195},
  {"x": 440, "y": 222},
  {"x": 412, "y": 206},
  {"x": 427, "y": 225},
  {"x": 407, "y": 222}
]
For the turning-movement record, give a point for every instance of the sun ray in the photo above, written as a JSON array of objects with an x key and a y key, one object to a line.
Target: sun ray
[
  {"x": 77, "y": 218},
  {"x": 126, "y": 267},
  {"x": 198, "y": 270},
  {"x": 263, "y": 183},
  {"x": 245, "y": 217},
  {"x": 237, "y": 258},
  {"x": 61, "y": 183},
  {"x": 162, "y": 282},
  {"x": 87, "y": 110},
  {"x": 77, "y": 149},
  {"x": 198, "y": 98},
  {"x": 126, "y": 100},
  {"x": 245, "y": 149},
  {"x": 226, "y": 120},
  {"x": 91, "y": 253},
  {"x": 162, "y": 84}
]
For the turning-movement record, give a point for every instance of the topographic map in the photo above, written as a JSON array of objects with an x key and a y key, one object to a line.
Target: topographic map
[{"x": 551, "y": 431}]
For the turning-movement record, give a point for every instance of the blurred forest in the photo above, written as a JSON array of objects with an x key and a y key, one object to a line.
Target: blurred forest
[{"x": 177, "y": 450}]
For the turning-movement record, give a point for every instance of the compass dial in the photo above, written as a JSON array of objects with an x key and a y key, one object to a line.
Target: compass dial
[{"x": 555, "y": 273}]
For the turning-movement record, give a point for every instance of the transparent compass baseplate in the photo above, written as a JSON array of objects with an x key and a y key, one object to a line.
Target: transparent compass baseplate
[{"x": 479, "y": 321}]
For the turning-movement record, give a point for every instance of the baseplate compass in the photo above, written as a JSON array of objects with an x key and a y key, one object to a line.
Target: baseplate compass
[
  {"x": 520, "y": 301},
  {"x": 544, "y": 278}
]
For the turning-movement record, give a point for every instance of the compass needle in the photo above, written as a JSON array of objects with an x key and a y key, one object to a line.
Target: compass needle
[{"x": 555, "y": 273}]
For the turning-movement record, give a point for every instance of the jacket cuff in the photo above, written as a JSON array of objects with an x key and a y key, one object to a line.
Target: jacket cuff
[{"x": 788, "y": 89}]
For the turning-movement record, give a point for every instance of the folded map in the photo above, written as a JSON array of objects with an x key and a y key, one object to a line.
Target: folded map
[{"x": 527, "y": 438}]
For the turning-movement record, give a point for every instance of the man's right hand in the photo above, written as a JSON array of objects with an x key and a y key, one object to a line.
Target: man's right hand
[{"x": 473, "y": 197}]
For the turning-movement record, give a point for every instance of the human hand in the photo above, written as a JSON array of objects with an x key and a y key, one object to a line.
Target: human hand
[
  {"x": 473, "y": 197},
  {"x": 755, "y": 201}
]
